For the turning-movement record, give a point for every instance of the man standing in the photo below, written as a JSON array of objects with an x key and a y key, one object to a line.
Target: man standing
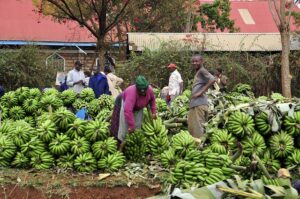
[
  {"x": 221, "y": 80},
  {"x": 76, "y": 78},
  {"x": 198, "y": 108},
  {"x": 98, "y": 82},
  {"x": 114, "y": 82},
  {"x": 175, "y": 83}
]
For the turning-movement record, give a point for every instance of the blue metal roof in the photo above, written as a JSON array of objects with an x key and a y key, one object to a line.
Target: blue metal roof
[{"x": 45, "y": 43}]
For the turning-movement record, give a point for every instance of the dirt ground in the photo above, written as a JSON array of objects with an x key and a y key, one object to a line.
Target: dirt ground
[
  {"x": 33, "y": 184},
  {"x": 17, "y": 192}
]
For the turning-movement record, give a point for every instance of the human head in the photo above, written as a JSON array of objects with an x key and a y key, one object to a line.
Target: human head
[
  {"x": 107, "y": 69},
  {"x": 197, "y": 61},
  {"x": 218, "y": 72},
  {"x": 78, "y": 65},
  {"x": 172, "y": 67},
  {"x": 141, "y": 84}
]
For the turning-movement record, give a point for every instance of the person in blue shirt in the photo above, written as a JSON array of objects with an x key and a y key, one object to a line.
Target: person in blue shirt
[{"x": 98, "y": 82}]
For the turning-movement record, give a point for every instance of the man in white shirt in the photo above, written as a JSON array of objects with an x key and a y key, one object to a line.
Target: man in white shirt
[
  {"x": 175, "y": 83},
  {"x": 76, "y": 78}
]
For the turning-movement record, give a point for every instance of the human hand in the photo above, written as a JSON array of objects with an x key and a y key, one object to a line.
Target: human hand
[
  {"x": 153, "y": 116},
  {"x": 130, "y": 130}
]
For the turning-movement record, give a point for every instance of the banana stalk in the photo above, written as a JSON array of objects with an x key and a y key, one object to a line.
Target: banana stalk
[
  {"x": 262, "y": 166},
  {"x": 240, "y": 193}
]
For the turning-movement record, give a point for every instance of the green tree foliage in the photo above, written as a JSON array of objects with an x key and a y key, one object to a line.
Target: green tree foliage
[
  {"x": 158, "y": 16},
  {"x": 216, "y": 16},
  {"x": 24, "y": 67}
]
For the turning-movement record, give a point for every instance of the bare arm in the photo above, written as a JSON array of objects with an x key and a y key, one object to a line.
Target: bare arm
[{"x": 204, "y": 89}]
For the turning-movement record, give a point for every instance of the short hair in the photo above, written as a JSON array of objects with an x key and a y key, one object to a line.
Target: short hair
[
  {"x": 198, "y": 55},
  {"x": 219, "y": 70}
]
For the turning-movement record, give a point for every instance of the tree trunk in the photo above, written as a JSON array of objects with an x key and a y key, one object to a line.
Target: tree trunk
[
  {"x": 285, "y": 66},
  {"x": 101, "y": 50}
]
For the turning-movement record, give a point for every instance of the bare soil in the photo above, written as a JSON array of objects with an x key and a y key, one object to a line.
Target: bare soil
[{"x": 33, "y": 184}]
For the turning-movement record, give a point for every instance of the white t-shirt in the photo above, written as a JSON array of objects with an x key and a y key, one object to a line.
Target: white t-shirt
[
  {"x": 174, "y": 82},
  {"x": 75, "y": 76}
]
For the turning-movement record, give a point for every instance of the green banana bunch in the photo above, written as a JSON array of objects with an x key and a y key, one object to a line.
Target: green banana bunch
[
  {"x": 271, "y": 164},
  {"x": 42, "y": 118},
  {"x": 215, "y": 175},
  {"x": 243, "y": 161},
  {"x": 46, "y": 130},
  {"x": 168, "y": 158},
  {"x": 262, "y": 123},
  {"x": 215, "y": 160},
  {"x": 182, "y": 142},
  {"x": 42, "y": 161},
  {"x": 30, "y": 105},
  {"x": 51, "y": 91},
  {"x": 35, "y": 93},
  {"x": 187, "y": 173},
  {"x": 135, "y": 146},
  {"x": 22, "y": 93},
  {"x": 277, "y": 96},
  {"x": 4, "y": 111},
  {"x": 20, "y": 135},
  {"x": 293, "y": 159},
  {"x": 68, "y": 97},
  {"x": 240, "y": 124},
  {"x": 281, "y": 144},
  {"x": 270, "y": 181},
  {"x": 21, "y": 161},
  {"x": 65, "y": 161},
  {"x": 103, "y": 148},
  {"x": 93, "y": 108},
  {"x": 9, "y": 99},
  {"x": 156, "y": 144},
  {"x": 62, "y": 117},
  {"x": 77, "y": 128},
  {"x": 80, "y": 146},
  {"x": 255, "y": 143},
  {"x": 187, "y": 93},
  {"x": 180, "y": 101},
  {"x": 80, "y": 103},
  {"x": 161, "y": 105},
  {"x": 242, "y": 88},
  {"x": 6, "y": 127},
  {"x": 16, "y": 113},
  {"x": 112, "y": 162},
  {"x": 50, "y": 100},
  {"x": 155, "y": 127},
  {"x": 30, "y": 120},
  {"x": 97, "y": 130},
  {"x": 85, "y": 163},
  {"x": 222, "y": 141},
  {"x": 7, "y": 148},
  {"x": 292, "y": 124},
  {"x": 87, "y": 94},
  {"x": 33, "y": 148},
  {"x": 195, "y": 155},
  {"x": 106, "y": 101},
  {"x": 156, "y": 92},
  {"x": 104, "y": 115},
  {"x": 60, "y": 144}
]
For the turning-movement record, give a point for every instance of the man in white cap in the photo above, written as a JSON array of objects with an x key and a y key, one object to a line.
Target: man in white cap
[{"x": 175, "y": 83}]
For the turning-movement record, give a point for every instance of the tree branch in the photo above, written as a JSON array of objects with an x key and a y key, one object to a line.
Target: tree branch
[{"x": 273, "y": 14}]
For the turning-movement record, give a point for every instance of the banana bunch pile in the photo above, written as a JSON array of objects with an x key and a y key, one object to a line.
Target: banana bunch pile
[
  {"x": 60, "y": 144},
  {"x": 292, "y": 124},
  {"x": 79, "y": 146},
  {"x": 43, "y": 160},
  {"x": 104, "y": 115},
  {"x": 240, "y": 124},
  {"x": 52, "y": 101},
  {"x": 76, "y": 128},
  {"x": 87, "y": 94},
  {"x": 254, "y": 144},
  {"x": 112, "y": 162},
  {"x": 7, "y": 150},
  {"x": 104, "y": 148},
  {"x": 281, "y": 144},
  {"x": 262, "y": 123},
  {"x": 97, "y": 130},
  {"x": 30, "y": 105},
  {"x": 80, "y": 103},
  {"x": 85, "y": 163},
  {"x": 168, "y": 158},
  {"x": 16, "y": 113},
  {"x": 93, "y": 108},
  {"x": 135, "y": 146},
  {"x": 293, "y": 159}
]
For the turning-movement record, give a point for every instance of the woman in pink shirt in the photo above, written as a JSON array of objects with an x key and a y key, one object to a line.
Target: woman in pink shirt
[{"x": 128, "y": 110}]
